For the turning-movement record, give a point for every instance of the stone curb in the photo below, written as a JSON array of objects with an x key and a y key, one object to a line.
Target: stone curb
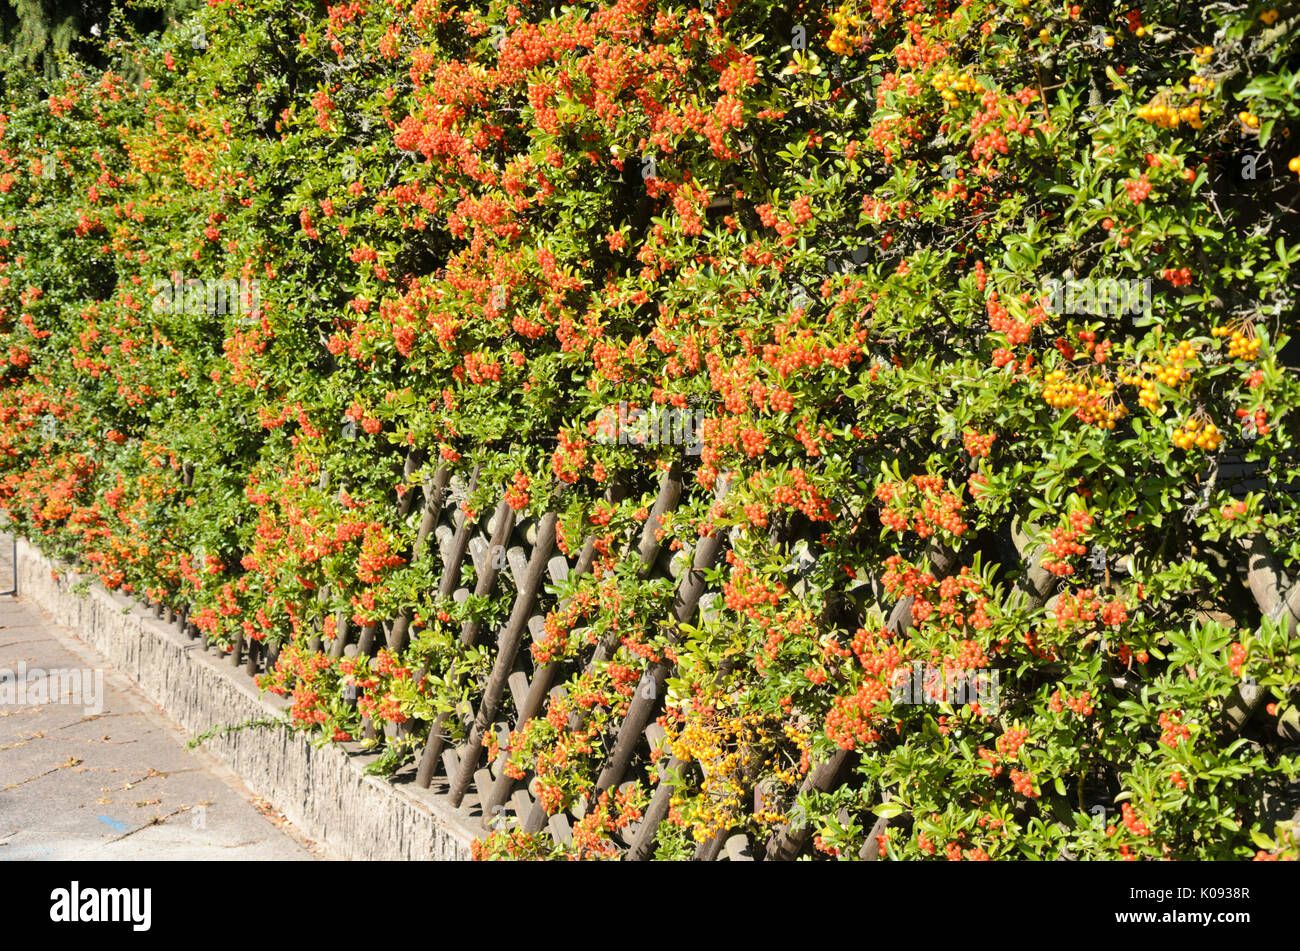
[{"x": 323, "y": 791}]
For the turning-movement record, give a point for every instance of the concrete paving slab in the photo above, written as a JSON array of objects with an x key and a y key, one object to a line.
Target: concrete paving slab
[{"x": 110, "y": 780}]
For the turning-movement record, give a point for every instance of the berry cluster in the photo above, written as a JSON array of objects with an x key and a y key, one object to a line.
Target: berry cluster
[
  {"x": 845, "y": 38},
  {"x": 978, "y": 446},
  {"x": 1258, "y": 421},
  {"x": 1230, "y": 512},
  {"x": 948, "y": 84},
  {"x": 1172, "y": 372},
  {"x": 1082, "y": 704},
  {"x": 1172, "y": 731},
  {"x": 1147, "y": 395},
  {"x": 1065, "y": 543},
  {"x": 1001, "y": 321},
  {"x": 1088, "y": 339},
  {"x": 1197, "y": 433},
  {"x": 960, "y": 604},
  {"x": 1132, "y": 822},
  {"x": 1091, "y": 401},
  {"x": 1023, "y": 783},
  {"x": 802, "y": 495},
  {"x": 1159, "y": 112},
  {"x": 1085, "y": 607},
  {"x": 851, "y": 719},
  {"x": 517, "y": 497},
  {"x": 1236, "y": 658},
  {"x": 1009, "y": 743},
  {"x": 1138, "y": 189},
  {"x": 1242, "y": 342},
  {"x": 936, "y": 509}
]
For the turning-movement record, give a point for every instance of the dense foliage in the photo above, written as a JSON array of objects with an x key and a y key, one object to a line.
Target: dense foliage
[{"x": 984, "y": 307}]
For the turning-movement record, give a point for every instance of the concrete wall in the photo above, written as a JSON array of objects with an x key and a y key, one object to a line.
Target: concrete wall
[{"x": 321, "y": 790}]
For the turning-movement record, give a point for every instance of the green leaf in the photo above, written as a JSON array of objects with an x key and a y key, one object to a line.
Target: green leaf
[
  {"x": 1266, "y": 131},
  {"x": 1261, "y": 840}
]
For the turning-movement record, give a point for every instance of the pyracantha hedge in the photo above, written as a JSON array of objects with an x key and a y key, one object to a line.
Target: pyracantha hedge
[{"x": 983, "y": 310}]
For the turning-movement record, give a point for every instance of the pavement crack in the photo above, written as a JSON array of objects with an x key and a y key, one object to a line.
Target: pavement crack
[
  {"x": 155, "y": 821},
  {"x": 42, "y": 734},
  {"x": 155, "y": 774},
  {"x": 92, "y": 717},
  {"x": 22, "y": 742},
  {"x": 36, "y": 708},
  {"x": 72, "y": 761}
]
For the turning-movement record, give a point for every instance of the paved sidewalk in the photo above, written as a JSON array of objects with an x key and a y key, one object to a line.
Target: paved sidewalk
[{"x": 109, "y": 777}]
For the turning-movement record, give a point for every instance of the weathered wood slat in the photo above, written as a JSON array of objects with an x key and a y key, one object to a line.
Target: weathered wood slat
[
  {"x": 710, "y": 849},
  {"x": 482, "y": 783},
  {"x": 535, "y": 819},
  {"x": 236, "y": 650},
  {"x": 366, "y": 639},
  {"x": 539, "y": 688},
  {"x": 450, "y": 761},
  {"x": 870, "y": 851},
  {"x": 317, "y": 642},
  {"x": 646, "y": 701},
  {"x": 670, "y": 492},
  {"x": 435, "y": 497},
  {"x": 737, "y": 848},
  {"x": 504, "y": 524},
  {"x": 561, "y": 831},
  {"x": 456, "y": 556},
  {"x": 657, "y": 811},
  {"x": 522, "y": 803},
  {"x": 434, "y": 491},
  {"x": 414, "y": 459},
  {"x": 518, "y": 683},
  {"x": 507, "y": 647},
  {"x": 517, "y": 557},
  {"x": 786, "y": 842}
]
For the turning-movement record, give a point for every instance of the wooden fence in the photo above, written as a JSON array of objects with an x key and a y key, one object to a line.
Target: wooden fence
[{"x": 516, "y": 690}]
